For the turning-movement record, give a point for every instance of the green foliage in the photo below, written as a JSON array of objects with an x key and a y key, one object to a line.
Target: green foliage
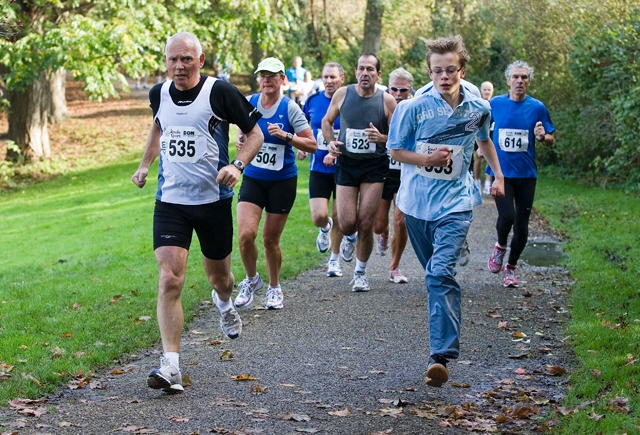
[
  {"x": 606, "y": 47},
  {"x": 602, "y": 230}
]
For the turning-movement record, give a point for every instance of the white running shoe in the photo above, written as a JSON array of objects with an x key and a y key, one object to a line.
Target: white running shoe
[
  {"x": 396, "y": 276},
  {"x": 465, "y": 254},
  {"x": 487, "y": 188},
  {"x": 247, "y": 289},
  {"x": 360, "y": 282},
  {"x": 347, "y": 248},
  {"x": 323, "y": 241},
  {"x": 274, "y": 298},
  {"x": 230, "y": 321},
  {"x": 382, "y": 245},
  {"x": 167, "y": 378},
  {"x": 334, "y": 268}
]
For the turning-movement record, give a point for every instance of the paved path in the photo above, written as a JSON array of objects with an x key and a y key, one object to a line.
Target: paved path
[{"x": 331, "y": 350}]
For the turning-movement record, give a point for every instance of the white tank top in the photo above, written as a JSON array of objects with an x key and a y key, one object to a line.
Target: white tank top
[{"x": 189, "y": 155}]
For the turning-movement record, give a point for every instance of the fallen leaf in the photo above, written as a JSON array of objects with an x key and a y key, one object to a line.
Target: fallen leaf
[
  {"x": 226, "y": 354},
  {"x": 67, "y": 335},
  {"x": 180, "y": 419},
  {"x": 217, "y": 342},
  {"x": 466, "y": 363},
  {"x": 391, "y": 412},
  {"x": 596, "y": 373},
  {"x": 618, "y": 404},
  {"x": 308, "y": 429},
  {"x": 288, "y": 385},
  {"x": 258, "y": 389},
  {"x": 522, "y": 355},
  {"x": 518, "y": 334},
  {"x": 144, "y": 318},
  {"x": 503, "y": 325},
  {"x": 554, "y": 370},
  {"x": 563, "y": 411},
  {"x": 138, "y": 429},
  {"x": 494, "y": 315},
  {"x": 594, "y": 416},
  {"x": 186, "y": 381},
  {"x": 344, "y": 413},
  {"x": 520, "y": 371},
  {"x": 296, "y": 417},
  {"x": 116, "y": 372},
  {"x": 243, "y": 377},
  {"x": 457, "y": 385}
]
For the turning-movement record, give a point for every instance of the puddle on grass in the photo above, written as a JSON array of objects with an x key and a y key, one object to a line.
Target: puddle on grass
[{"x": 543, "y": 254}]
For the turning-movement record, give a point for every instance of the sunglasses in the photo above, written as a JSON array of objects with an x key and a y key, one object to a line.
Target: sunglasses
[{"x": 403, "y": 90}]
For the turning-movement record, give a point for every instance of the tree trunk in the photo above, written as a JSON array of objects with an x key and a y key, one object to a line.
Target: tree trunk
[
  {"x": 256, "y": 56},
  {"x": 28, "y": 115},
  {"x": 58, "y": 111},
  {"x": 373, "y": 26}
]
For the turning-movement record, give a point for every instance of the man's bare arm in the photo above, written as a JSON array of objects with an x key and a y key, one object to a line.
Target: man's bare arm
[{"x": 151, "y": 152}]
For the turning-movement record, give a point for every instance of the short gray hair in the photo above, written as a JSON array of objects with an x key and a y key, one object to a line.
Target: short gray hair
[
  {"x": 334, "y": 65},
  {"x": 518, "y": 64},
  {"x": 182, "y": 36},
  {"x": 401, "y": 74}
]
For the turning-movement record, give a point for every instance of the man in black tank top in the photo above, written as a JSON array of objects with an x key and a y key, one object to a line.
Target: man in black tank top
[{"x": 362, "y": 163}]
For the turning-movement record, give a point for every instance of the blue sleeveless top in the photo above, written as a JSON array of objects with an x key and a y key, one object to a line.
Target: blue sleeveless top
[{"x": 276, "y": 159}]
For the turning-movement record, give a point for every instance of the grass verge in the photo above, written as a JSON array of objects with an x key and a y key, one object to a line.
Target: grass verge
[
  {"x": 78, "y": 277},
  {"x": 603, "y": 233}
]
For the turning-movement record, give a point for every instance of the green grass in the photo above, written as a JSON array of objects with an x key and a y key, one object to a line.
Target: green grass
[
  {"x": 603, "y": 233},
  {"x": 78, "y": 271}
]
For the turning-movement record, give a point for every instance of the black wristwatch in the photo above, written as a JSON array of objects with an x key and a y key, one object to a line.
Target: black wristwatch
[
  {"x": 289, "y": 137},
  {"x": 238, "y": 164}
]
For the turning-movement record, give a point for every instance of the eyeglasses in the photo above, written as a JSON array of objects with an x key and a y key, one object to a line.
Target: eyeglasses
[
  {"x": 450, "y": 70},
  {"x": 403, "y": 90},
  {"x": 268, "y": 76}
]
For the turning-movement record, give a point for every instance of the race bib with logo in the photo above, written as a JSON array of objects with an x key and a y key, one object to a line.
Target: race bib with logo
[
  {"x": 451, "y": 172},
  {"x": 270, "y": 156},
  {"x": 357, "y": 142},
  {"x": 513, "y": 141},
  {"x": 393, "y": 164},
  {"x": 183, "y": 144},
  {"x": 321, "y": 142}
]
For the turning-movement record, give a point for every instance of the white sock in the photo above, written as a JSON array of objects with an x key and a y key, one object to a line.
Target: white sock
[
  {"x": 353, "y": 237},
  {"x": 274, "y": 288},
  {"x": 223, "y": 306},
  {"x": 327, "y": 228},
  {"x": 361, "y": 266},
  {"x": 172, "y": 358},
  {"x": 253, "y": 279},
  {"x": 334, "y": 257}
]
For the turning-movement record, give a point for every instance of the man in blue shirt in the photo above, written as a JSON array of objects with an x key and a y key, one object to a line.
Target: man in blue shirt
[
  {"x": 433, "y": 137},
  {"x": 295, "y": 75},
  {"x": 519, "y": 120},
  {"x": 322, "y": 183}
]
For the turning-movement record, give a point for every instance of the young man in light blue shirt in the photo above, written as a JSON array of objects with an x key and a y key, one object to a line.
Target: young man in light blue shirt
[{"x": 433, "y": 137}]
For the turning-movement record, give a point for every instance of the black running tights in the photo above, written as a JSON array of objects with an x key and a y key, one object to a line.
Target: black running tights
[{"x": 514, "y": 210}]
